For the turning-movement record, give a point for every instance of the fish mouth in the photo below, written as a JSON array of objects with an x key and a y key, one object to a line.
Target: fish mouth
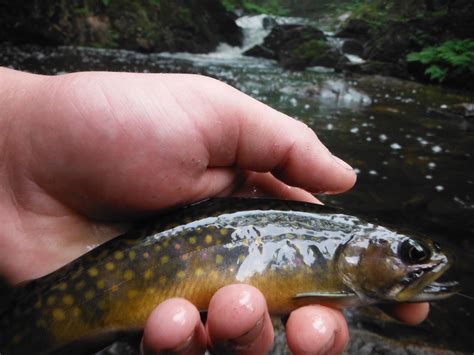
[{"x": 437, "y": 291}]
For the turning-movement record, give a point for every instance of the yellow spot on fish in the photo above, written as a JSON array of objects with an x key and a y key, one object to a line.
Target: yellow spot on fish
[
  {"x": 192, "y": 240},
  {"x": 132, "y": 255},
  {"x": 241, "y": 258},
  {"x": 219, "y": 259},
  {"x": 76, "y": 311},
  {"x": 128, "y": 275},
  {"x": 41, "y": 323},
  {"x": 181, "y": 274},
  {"x": 148, "y": 274},
  {"x": 146, "y": 255},
  {"x": 162, "y": 280},
  {"x": 80, "y": 285},
  {"x": 118, "y": 255},
  {"x": 58, "y": 314},
  {"x": 38, "y": 304},
  {"x": 88, "y": 295},
  {"x": 132, "y": 294},
  {"x": 101, "y": 284},
  {"x": 208, "y": 239},
  {"x": 68, "y": 300},
  {"x": 62, "y": 286},
  {"x": 157, "y": 247},
  {"x": 177, "y": 246},
  {"x": 103, "y": 254},
  {"x": 50, "y": 300},
  {"x": 93, "y": 272},
  {"x": 114, "y": 288},
  {"x": 164, "y": 259},
  {"x": 166, "y": 244},
  {"x": 223, "y": 231},
  {"x": 199, "y": 272},
  {"x": 76, "y": 274},
  {"x": 109, "y": 266}
]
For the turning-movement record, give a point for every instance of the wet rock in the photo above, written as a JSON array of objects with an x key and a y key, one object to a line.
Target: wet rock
[
  {"x": 355, "y": 28},
  {"x": 268, "y": 22},
  {"x": 298, "y": 47},
  {"x": 261, "y": 51},
  {"x": 336, "y": 90},
  {"x": 144, "y": 25},
  {"x": 364, "y": 342},
  {"x": 353, "y": 46},
  {"x": 375, "y": 67},
  {"x": 462, "y": 110}
]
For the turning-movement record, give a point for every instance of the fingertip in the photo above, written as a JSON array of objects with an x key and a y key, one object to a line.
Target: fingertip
[
  {"x": 174, "y": 326},
  {"x": 316, "y": 329},
  {"x": 238, "y": 321},
  {"x": 409, "y": 313}
]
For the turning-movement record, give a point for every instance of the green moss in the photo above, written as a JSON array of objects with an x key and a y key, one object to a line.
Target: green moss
[
  {"x": 271, "y": 7},
  {"x": 311, "y": 49}
]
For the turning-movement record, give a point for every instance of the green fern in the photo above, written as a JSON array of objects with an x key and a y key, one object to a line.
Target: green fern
[{"x": 449, "y": 56}]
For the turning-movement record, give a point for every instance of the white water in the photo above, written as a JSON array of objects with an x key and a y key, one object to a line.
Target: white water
[{"x": 253, "y": 32}]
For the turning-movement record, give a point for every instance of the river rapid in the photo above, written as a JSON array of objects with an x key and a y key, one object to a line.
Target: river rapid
[{"x": 415, "y": 165}]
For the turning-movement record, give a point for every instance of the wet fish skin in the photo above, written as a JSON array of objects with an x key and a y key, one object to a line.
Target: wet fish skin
[{"x": 296, "y": 253}]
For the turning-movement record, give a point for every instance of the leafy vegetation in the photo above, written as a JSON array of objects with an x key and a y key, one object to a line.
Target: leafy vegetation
[
  {"x": 450, "y": 57},
  {"x": 273, "y": 7}
]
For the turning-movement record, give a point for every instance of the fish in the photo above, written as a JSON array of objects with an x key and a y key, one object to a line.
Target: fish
[{"x": 295, "y": 253}]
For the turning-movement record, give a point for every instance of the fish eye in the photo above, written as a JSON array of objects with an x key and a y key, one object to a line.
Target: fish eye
[{"x": 413, "y": 252}]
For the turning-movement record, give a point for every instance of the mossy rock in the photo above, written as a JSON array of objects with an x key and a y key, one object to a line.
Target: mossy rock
[{"x": 149, "y": 25}]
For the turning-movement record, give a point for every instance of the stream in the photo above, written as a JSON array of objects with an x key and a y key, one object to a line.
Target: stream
[{"x": 415, "y": 166}]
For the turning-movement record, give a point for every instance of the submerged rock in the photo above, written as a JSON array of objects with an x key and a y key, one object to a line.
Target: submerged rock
[{"x": 462, "y": 110}]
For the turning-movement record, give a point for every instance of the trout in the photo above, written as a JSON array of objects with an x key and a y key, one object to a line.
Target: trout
[{"x": 295, "y": 253}]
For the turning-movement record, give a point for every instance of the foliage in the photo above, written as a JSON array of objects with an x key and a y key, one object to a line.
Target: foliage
[
  {"x": 448, "y": 57},
  {"x": 273, "y": 7},
  {"x": 375, "y": 13}
]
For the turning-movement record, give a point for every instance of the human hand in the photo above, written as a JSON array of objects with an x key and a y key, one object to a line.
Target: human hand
[{"x": 84, "y": 150}]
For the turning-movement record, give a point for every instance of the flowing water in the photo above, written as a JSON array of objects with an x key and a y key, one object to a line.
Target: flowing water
[{"x": 415, "y": 166}]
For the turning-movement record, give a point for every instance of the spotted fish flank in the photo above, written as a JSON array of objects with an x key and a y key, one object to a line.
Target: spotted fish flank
[{"x": 295, "y": 253}]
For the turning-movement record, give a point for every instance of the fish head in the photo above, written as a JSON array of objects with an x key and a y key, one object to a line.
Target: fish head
[{"x": 385, "y": 266}]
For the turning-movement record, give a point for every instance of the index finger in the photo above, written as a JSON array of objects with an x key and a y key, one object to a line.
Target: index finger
[{"x": 256, "y": 137}]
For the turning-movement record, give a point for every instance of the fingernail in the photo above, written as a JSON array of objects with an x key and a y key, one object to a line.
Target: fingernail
[
  {"x": 182, "y": 348},
  {"x": 342, "y": 163},
  {"x": 248, "y": 337},
  {"x": 186, "y": 345},
  {"x": 329, "y": 345}
]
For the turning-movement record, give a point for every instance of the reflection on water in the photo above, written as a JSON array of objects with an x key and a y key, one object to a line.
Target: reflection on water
[{"x": 415, "y": 167}]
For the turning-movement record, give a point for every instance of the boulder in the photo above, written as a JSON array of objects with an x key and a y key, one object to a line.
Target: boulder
[
  {"x": 147, "y": 25},
  {"x": 355, "y": 28},
  {"x": 297, "y": 47},
  {"x": 353, "y": 46}
]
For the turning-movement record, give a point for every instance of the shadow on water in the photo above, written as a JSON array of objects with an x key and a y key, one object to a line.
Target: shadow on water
[{"x": 415, "y": 167}]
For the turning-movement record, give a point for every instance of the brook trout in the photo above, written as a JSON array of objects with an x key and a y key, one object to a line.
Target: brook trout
[{"x": 296, "y": 253}]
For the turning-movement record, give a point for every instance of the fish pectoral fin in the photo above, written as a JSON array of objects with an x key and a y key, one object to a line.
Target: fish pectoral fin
[{"x": 326, "y": 295}]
